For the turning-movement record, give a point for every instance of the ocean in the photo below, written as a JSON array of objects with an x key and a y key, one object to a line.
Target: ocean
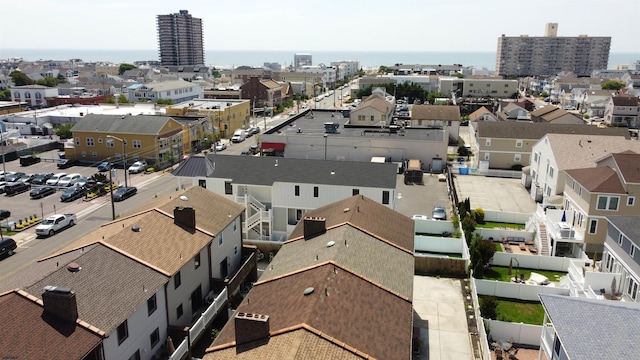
[{"x": 233, "y": 58}]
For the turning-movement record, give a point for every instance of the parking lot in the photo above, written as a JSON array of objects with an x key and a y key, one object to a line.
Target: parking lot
[
  {"x": 420, "y": 199},
  {"x": 21, "y": 205}
]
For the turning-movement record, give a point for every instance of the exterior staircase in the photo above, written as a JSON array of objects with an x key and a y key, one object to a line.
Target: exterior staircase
[{"x": 544, "y": 241}]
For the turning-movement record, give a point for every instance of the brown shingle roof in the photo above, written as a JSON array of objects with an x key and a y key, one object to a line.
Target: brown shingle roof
[
  {"x": 343, "y": 306},
  {"x": 30, "y": 333},
  {"x": 367, "y": 215},
  {"x": 435, "y": 112},
  {"x": 160, "y": 242},
  {"x": 625, "y": 100},
  {"x": 629, "y": 165},
  {"x": 109, "y": 287},
  {"x": 299, "y": 343},
  {"x": 526, "y": 130},
  {"x": 481, "y": 111},
  {"x": 598, "y": 180},
  {"x": 362, "y": 253},
  {"x": 376, "y": 102},
  {"x": 545, "y": 110}
]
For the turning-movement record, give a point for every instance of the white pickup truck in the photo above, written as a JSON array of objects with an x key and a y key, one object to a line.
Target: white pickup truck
[{"x": 55, "y": 223}]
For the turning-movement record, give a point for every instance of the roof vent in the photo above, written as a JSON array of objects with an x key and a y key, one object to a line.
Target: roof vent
[
  {"x": 184, "y": 198},
  {"x": 345, "y": 210},
  {"x": 331, "y": 243},
  {"x": 73, "y": 267},
  {"x": 308, "y": 291},
  {"x": 135, "y": 228}
]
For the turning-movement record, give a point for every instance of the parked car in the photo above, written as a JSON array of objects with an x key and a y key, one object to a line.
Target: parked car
[
  {"x": 7, "y": 246},
  {"x": 255, "y": 130},
  {"x": 55, "y": 223},
  {"x": 69, "y": 180},
  {"x": 15, "y": 188},
  {"x": 238, "y": 136},
  {"x": 124, "y": 193},
  {"x": 137, "y": 167},
  {"x": 4, "y": 174},
  {"x": 26, "y": 160},
  {"x": 254, "y": 149},
  {"x": 221, "y": 146},
  {"x": 2, "y": 184},
  {"x": 82, "y": 181},
  {"x": 439, "y": 213},
  {"x": 27, "y": 178},
  {"x": 53, "y": 180},
  {"x": 42, "y": 191},
  {"x": 4, "y": 214},
  {"x": 14, "y": 177},
  {"x": 72, "y": 193},
  {"x": 41, "y": 179},
  {"x": 104, "y": 166},
  {"x": 67, "y": 163}
]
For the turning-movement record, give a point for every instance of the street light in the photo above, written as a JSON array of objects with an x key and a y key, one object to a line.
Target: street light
[
  {"x": 124, "y": 158},
  {"x": 325, "y": 146},
  {"x": 113, "y": 207}
]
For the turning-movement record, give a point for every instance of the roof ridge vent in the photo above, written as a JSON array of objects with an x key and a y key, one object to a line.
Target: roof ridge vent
[{"x": 73, "y": 267}]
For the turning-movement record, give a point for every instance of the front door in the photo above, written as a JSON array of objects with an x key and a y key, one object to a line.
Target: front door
[
  {"x": 224, "y": 271},
  {"x": 196, "y": 299}
]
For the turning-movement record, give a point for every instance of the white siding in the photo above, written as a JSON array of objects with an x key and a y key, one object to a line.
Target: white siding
[
  {"x": 284, "y": 195},
  {"x": 140, "y": 326}
]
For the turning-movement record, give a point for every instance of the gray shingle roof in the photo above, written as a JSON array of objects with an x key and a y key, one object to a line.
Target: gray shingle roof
[
  {"x": 595, "y": 329},
  {"x": 522, "y": 130},
  {"x": 263, "y": 171},
  {"x": 364, "y": 254},
  {"x": 628, "y": 225},
  {"x": 122, "y": 124},
  {"x": 109, "y": 287}
]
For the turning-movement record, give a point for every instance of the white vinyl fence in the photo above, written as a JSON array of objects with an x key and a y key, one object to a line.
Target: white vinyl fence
[{"x": 525, "y": 334}]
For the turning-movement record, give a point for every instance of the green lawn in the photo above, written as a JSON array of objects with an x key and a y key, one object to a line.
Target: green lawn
[
  {"x": 501, "y": 273},
  {"x": 492, "y": 225},
  {"x": 528, "y": 312}
]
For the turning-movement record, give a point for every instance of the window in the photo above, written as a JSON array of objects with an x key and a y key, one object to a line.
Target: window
[
  {"x": 83, "y": 154},
  {"x": 355, "y": 192},
  {"x": 78, "y": 141},
  {"x": 137, "y": 144},
  {"x": 608, "y": 203},
  {"x": 94, "y": 154},
  {"x": 296, "y": 190},
  {"x": 486, "y": 156},
  {"x": 177, "y": 280},
  {"x": 299, "y": 213},
  {"x": 196, "y": 261},
  {"x": 154, "y": 338},
  {"x": 488, "y": 142},
  {"x": 518, "y": 143},
  {"x": 135, "y": 356},
  {"x": 633, "y": 250},
  {"x": 593, "y": 226},
  {"x": 632, "y": 289},
  {"x": 179, "y": 311},
  {"x": 228, "y": 188},
  {"x": 110, "y": 143},
  {"x": 620, "y": 237},
  {"x": 99, "y": 140},
  {"x": 220, "y": 239},
  {"x": 235, "y": 225},
  {"x": 551, "y": 172},
  {"x": 385, "y": 197},
  {"x": 517, "y": 157},
  {"x": 123, "y": 332},
  {"x": 152, "y": 304},
  {"x": 315, "y": 191},
  {"x": 631, "y": 200},
  {"x": 373, "y": 117},
  {"x": 90, "y": 142},
  {"x": 202, "y": 183}
]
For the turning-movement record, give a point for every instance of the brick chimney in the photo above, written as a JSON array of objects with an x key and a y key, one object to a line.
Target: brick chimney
[
  {"x": 314, "y": 226},
  {"x": 60, "y": 302},
  {"x": 251, "y": 327},
  {"x": 185, "y": 217}
]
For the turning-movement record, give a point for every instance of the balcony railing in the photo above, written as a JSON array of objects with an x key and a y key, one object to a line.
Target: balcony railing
[
  {"x": 195, "y": 331},
  {"x": 564, "y": 232}
]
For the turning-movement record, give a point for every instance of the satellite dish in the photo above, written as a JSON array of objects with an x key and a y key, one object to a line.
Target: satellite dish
[{"x": 184, "y": 198}]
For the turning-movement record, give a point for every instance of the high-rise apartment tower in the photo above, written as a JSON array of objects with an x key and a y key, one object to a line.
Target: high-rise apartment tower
[
  {"x": 180, "y": 39},
  {"x": 550, "y": 54}
]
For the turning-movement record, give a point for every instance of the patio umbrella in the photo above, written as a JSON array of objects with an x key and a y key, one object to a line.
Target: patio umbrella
[{"x": 564, "y": 216}]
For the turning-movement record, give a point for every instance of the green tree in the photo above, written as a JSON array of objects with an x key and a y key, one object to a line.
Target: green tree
[
  {"x": 458, "y": 75},
  {"x": 480, "y": 253},
  {"x": 20, "y": 79},
  {"x": 463, "y": 151},
  {"x": 488, "y": 305},
  {"x": 432, "y": 96},
  {"x": 215, "y": 72},
  {"x": 64, "y": 131},
  {"x": 385, "y": 70},
  {"x": 164, "y": 102},
  {"x": 612, "y": 85},
  {"x": 124, "y": 67},
  {"x": 5, "y": 95},
  {"x": 61, "y": 79},
  {"x": 122, "y": 99}
]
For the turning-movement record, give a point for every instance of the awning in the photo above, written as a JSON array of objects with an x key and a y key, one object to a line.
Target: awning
[{"x": 272, "y": 146}]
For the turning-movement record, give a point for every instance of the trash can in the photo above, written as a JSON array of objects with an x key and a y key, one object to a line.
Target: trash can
[{"x": 464, "y": 170}]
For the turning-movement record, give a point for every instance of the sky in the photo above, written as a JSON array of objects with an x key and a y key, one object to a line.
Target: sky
[{"x": 329, "y": 25}]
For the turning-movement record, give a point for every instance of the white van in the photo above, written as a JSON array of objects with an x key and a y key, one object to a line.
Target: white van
[{"x": 239, "y": 136}]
